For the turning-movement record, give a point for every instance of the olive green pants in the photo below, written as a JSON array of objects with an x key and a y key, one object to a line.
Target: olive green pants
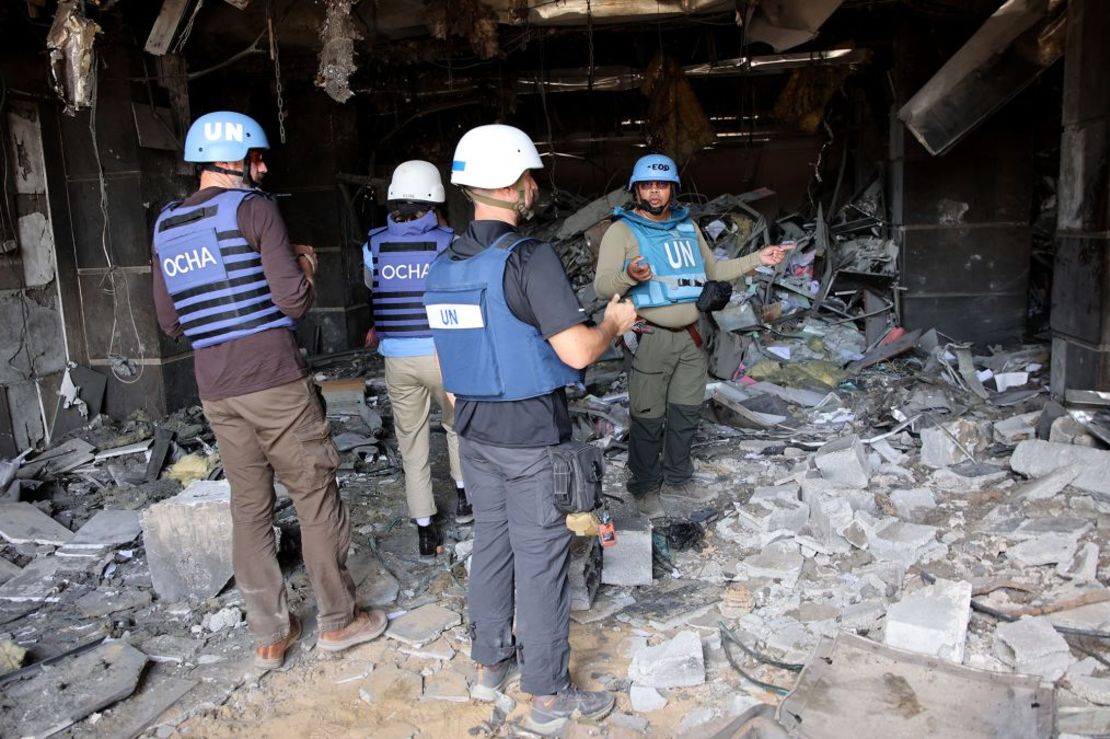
[{"x": 666, "y": 388}]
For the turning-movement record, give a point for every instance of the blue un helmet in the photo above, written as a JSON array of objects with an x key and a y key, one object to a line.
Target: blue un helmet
[
  {"x": 654, "y": 168},
  {"x": 223, "y": 136}
]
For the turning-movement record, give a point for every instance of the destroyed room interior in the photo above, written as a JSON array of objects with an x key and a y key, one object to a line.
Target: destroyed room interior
[{"x": 894, "y": 523}]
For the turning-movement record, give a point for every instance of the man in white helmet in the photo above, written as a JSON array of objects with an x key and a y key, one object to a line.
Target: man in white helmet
[
  {"x": 228, "y": 280},
  {"x": 397, "y": 257},
  {"x": 656, "y": 255},
  {"x": 510, "y": 335}
]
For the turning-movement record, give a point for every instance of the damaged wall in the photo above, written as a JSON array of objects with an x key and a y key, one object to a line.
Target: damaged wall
[{"x": 31, "y": 335}]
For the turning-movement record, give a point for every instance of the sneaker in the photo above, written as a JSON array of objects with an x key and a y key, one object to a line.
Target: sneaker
[
  {"x": 464, "y": 512},
  {"x": 272, "y": 656},
  {"x": 650, "y": 505},
  {"x": 366, "y": 626},
  {"x": 429, "y": 540},
  {"x": 494, "y": 679},
  {"x": 551, "y": 712},
  {"x": 689, "y": 489}
]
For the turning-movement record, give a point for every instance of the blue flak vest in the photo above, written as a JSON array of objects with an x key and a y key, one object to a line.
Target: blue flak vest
[
  {"x": 212, "y": 274},
  {"x": 671, "y": 248},
  {"x": 485, "y": 352},
  {"x": 402, "y": 254}
]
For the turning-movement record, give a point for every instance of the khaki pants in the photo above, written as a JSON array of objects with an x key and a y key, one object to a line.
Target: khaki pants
[
  {"x": 665, "y": 391},
  {"x": 284, "y": 430},
  {"x": 413, "y": 383}
]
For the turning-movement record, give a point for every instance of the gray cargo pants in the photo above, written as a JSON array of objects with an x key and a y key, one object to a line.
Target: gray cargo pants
[{"x": 520, "y": 537}]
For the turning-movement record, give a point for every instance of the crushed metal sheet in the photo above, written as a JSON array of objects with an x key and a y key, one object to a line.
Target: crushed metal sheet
[
  {"x": 72, "y": 57},
  {"x": 906, "y": 694}
]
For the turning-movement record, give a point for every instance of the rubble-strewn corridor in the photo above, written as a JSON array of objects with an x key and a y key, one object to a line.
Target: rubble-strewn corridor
[{"x": 903, "y": 455}]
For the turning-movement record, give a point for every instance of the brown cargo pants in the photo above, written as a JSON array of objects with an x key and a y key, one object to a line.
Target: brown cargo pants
[{"x": 283, "y": 429}]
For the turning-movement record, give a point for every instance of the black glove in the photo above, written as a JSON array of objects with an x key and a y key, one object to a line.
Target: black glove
[{"x": 714, "y": 296}]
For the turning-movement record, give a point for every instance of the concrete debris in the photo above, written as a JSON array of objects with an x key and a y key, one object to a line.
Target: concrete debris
[
  {"x": 1091, "y": 689},
  {"x": 932, "y": 620},
  {"x": 108, "y": 529},
  {"x": 780, "y": 561},
  {"x": 1066, "y": 430},
  {"x": 423, "y": 625},
  {"x": 225, "y": 618},
  {"x": 1036, "y": 458},
  {"x": 677, "y": 663},
  {"x": 905, "y": 543},
  {"x": 188, "y": 542},
  {"x": 23, "y": 523},
  {"x": 646, "y": 699},
  {"x": 909, "y": 503},
  {"x": 1032, "y": 646},
  {"x": 8, "y": 570},
  {"x": 1049, "y": 486},
  {"x": 950, "y": 443},
  {"x": 1083, "y": 567},
  {"x": 56, "y": 698},
  {"x": 844, "y": 461},
  {"x": 1044, "y": 550},
  {"x": 629, "y": 561},
  {"x": 36, "y": 583}
]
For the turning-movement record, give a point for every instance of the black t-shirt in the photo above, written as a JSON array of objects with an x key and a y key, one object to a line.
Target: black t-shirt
[{"x": 537, "y": 292}]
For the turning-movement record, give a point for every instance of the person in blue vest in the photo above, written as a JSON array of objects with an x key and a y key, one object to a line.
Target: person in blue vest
[
  {"x": 510, "y": 335},
  {"x": 226, "y": 278},
  {"x": 397, "y": 257},
  {"x": 656, "y": 255}
]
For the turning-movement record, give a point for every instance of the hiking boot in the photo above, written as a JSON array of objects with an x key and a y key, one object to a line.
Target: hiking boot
[
  {"x": 494, "y": 679},
  {"x": 429, "y": 540},
  {"x": 464, "y": 512},
  {"x": 690, "y": 490},
  {"x": 272, "y": 656},
  {"x": 551, "y": 712},
  {"x": 366, "y": 626},
  {"x": 650, "y": 505}
]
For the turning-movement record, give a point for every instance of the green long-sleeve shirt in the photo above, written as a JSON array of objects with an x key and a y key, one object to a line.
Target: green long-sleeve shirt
[{"x": 619, "y": 247}]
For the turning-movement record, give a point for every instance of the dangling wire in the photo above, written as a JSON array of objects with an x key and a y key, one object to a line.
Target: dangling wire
[
  {"x": 188, "y": 28},
  {"x": 590, "y": 44}
]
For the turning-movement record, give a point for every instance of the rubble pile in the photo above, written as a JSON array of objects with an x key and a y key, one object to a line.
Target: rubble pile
[{"x": 922, "y": 511}]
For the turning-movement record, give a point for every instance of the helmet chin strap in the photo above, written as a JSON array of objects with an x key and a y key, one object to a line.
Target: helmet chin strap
[
  {"x": 519, "y": 206},
  {"x": 244, "y": 174},
  {"x": 655, "y": 210}
]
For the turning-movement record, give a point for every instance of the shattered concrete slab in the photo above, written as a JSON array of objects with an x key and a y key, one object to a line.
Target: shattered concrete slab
[
  {"x": 69, "y": 691},
  {"x": 629, "y": 561},
  {"x": 932, "y": 620},
  {"x": 1048, "y": 549},
  {"x": 1049, "y": 486},
  {"x": 676, "y": 663},
  {"x": 36, "y": 583},
  {"x": 844, "y": 461},
  {"x": 105, "y": 601},
  {"x": 646, "y": 699},
  {"x": 1032, "y": 646},
  {"x": 108, "y": 529},
  {"x": 23, "y": 523},
  {"x": 423, "y": 625},
  {"x": 585, "y": 572},
  {"x": 904, "y": 694},
  {"x": 8, "y": 570},
  {"x": 1036, "y": 458},
  {"x": 910, "y": 503},
  {"x": 188, "y": 542},
  {"x": 906, "y": 543},
  {"x": 781, "y": 561},
  {"x": 950, "y": 443}
]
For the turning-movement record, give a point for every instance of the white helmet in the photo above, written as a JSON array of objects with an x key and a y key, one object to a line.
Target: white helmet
[
  {"x": 494, "y": 156},
  {"x": 418, "y": 181}
]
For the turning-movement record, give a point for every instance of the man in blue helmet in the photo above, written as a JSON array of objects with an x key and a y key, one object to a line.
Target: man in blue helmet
[
  {"x": 397, "y": 257},
  {"x": 655, "y": 254},
  {"x": 227, "y": 279},
  {"x": 510, "y": 335}
]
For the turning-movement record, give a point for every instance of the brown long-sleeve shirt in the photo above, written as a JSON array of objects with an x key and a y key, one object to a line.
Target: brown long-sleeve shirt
[
  {"x": 619, "y": 247},
  {"x": 266, "y": 359}
]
